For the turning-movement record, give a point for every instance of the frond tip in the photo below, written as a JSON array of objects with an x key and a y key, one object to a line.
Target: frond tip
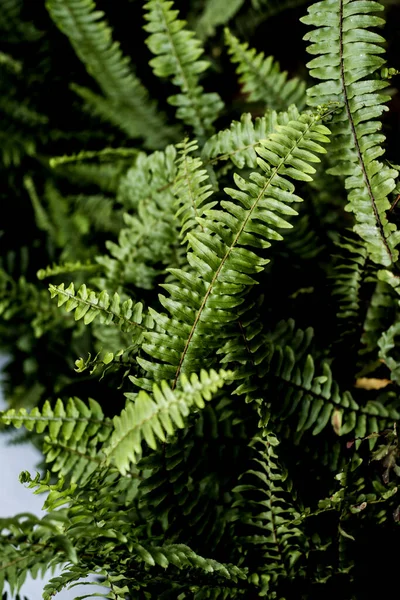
[
  {"x": 177, "y": 56},
  {"x": 88, "y": 305},
  {"x": 262, "y": 78},
  {"x": 152, "y": 419}
]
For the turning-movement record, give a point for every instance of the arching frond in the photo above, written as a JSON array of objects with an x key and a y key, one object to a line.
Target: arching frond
[
  {"x": 177, "y": 56},
  {"x": 225, "y": 257},
  {"x": 68, "y": 267},
  {"x": 89, "y": 305},
  {"x": 91, "y": 38},
  {"x": 262, "y": 78},
  {"x": 348, "y": 59},
  {"x": 153, "y": 419},
  {"x": 238, "y": 143}
]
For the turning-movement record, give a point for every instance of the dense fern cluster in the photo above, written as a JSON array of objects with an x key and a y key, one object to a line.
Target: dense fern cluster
[{"x": 202, "y": 322}]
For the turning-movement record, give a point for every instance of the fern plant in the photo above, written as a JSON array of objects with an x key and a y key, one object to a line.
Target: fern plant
[{"x": 202, "y": 324}]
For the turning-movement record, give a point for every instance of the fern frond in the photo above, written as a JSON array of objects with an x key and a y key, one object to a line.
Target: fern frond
[
  {"x": 106, "y": 154},
  {"x": 31, "y": 545},
  {"x": 67, "y": 267},
  {"x": 10, "y": 63},
  {"x": 91, "y": 38},
  {"x": 149, "y": 239},
  {"x": 238, "y": 143},
  {"x": 223, "y": 263},
  {"x": 262, "y": 78},
  {"x": 348, "y": 59},
  {"x": 190, "y": 188},
  {"x": 348, "y": 275},
  {"x": 89, "y": 305},
  {"x": 216, "y": 13},
  {"x": 177, "y": 56},
  {"x": 151, "y": 419},
  {"x": 17, "y": 29},
  {"x": 274, "y": 545},
  {"x": 317, "y": 400},
  {"x": 62, "y": 422},
  {"x": 380, "y": 315}
]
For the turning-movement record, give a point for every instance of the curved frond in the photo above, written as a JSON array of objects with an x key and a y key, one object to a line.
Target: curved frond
[
  {"x": 89, "y": 305},
  {"x": 67, "y": 267},
  {"x": 177, "y": 56},
  {"x": 238, "y": 143},
  {"x": 153, "y": 419},
  {"x": 262, "y": 78},
  {"x": 225, "y": 257},
  {"x": 348, "y": 58},
  {"x": 91, "y": 38}
]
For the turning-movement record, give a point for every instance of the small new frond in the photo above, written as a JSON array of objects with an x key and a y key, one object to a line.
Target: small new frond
[
  {"x": 152, "y": 419},
  {"x": 89, "y": 305},
  {"x": 91, "y": 38},
  {"x": 348, "y": 58},
  {"x": 262, "y": 79},
  {"x": 192, "y": 188},
  {"x": 238, "y": 143},
  {"x": 67, "y": 267},
  {"x": 177, "y": 56}
]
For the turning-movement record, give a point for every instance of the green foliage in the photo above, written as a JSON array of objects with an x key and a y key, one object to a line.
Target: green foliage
[
  {"x": 126, "y": 100},
  {"x": 348, "y": 61},
  {"x": 234, "y": 436},
  {"x": 262, "y": 79},
  {"x": 177, "y": 56}
]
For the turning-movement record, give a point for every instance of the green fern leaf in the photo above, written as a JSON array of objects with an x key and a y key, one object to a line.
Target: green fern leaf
[
  {"x": 223, "y": 263},
  {"x": 267, "y": 512},
  {"x": 262, "y": 78},
  {"x": 238, "y": 143},
  {"x": 190, "y": 189},
  {"x": 347, "y": 60},
  {"x": 91, "y": 38},
  {"x": 88, "y": 305},
  {"x": 216, "y": 13},
  {"x": 177, "y": 56},
  {"x": 152, "y": 419}
]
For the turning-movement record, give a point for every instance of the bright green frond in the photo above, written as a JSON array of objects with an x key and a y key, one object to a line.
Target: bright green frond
[
  {"x": 192, "y": 188},
  {"x": 177, "y": 56},
  {"x": 152, "y": 419},
  {"x": 238, "y": 143},
  {"x": 89, "y": 305},
  {"x": 347, "y": 60},
  {"x": 225, "y": 255},
  {"x": 262, "y": 78}
]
